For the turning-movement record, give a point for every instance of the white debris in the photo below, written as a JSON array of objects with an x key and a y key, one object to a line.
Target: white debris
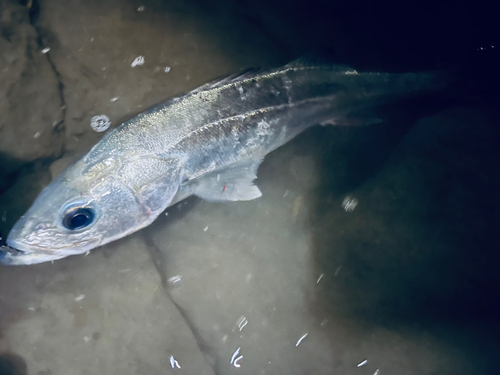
[
  {"x": 92, "y": 39},
  {"x": 174, "y": 363},
  {"x": 300, "y": 340},
  {"x": 363, "y": 363},
  {"x": 80, "y": 297},
  {"x": 86, "y": 339},
  {"x": 319, "y": 278},
  {"x": 114, "y": 99},
  {"x": 31, "y": 308},
  {"x": 286, "y": 193},
  {"x": 167, "y": 69},
  {"x": 349, "y": 204},
  {"x": 175, "y": 279},
  {"x": 166, "y": 213},
  {"x": 100, "y": 123},
  {"x": 37, "y": 134},
  {"x": 337, "y": 271},
  {"x": 235, "y": 354},
  {"x": 377, "y": 371},
  {"x": 45, "y": 50},
  {"x": 141, "y": 9},
  {"x": 235, "y": 363},
  {"x": 205, "y": 229},
  {"x": 139, "y": 60},
  {"x": 242, "y": 322}
]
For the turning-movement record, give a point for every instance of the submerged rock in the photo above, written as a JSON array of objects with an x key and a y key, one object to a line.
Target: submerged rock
[{"x": 31, "y": 124}]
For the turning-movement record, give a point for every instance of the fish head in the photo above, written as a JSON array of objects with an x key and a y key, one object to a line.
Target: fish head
[{"x": 77, "y": 212}]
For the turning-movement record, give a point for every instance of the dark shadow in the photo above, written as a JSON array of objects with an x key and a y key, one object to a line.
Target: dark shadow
[
  {"x": 420, "y": 251},
  {"x": 12, "y": 364},
  {"x": 20, "y": 183}
]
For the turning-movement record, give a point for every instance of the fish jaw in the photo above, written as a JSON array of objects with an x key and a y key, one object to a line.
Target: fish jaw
[
  {"x": 13, "y": 257},
  {"x": 17, "y": 253}
]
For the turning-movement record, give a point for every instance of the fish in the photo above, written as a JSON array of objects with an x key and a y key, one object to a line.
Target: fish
[{"x": 208, "y": 143}]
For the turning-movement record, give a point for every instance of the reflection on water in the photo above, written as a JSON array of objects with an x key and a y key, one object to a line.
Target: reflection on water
[{"x": 372, "y": 250}]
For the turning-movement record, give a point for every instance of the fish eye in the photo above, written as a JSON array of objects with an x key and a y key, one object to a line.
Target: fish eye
[{"x": 78, "y": 217}]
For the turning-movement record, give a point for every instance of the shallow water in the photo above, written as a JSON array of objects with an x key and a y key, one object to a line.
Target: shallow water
[{"x": 295, "y": 283}]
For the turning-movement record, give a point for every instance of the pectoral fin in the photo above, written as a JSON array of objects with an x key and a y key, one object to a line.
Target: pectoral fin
[{"x": 234, "y": 183}]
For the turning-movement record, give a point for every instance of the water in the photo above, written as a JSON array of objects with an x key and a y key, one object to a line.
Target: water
[{"x": 292, "y": 283}]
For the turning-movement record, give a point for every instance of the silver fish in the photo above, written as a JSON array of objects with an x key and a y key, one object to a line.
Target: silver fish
[{"x": 209, "y": 143}]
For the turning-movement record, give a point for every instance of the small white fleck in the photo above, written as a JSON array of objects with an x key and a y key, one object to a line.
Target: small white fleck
[
  {"x": 175, "y": 280},
  {"x": 4, "y": 216},
  {"x": 337, "y": 271},
  {"x": 87, "y": 253},
  {"x": 300, "y": 340},
  {"x": 141, "y": 8},
  {"x": 363, "y": 363},
  {"x": 349, "y": 204},
  {"x": 351, "y": 72},
  {"x": 235, "y": 362},
  {"x": 242, "y": 322},
  {"x": 286, "y": 193},
  {"x": 166, "y": 213},
  {"x": 319, "y": 278},
  {"x": 114, "y": 99},
  {"x": 45, "y": 50},
  {"x": 31, "y": 308},
  {"x": 139, "y": 60},
  {"x": 377, "y": 371},
  {"x": 106, "y": 193},
  {"x": 235, "y": 354},
  {"x": 100, "y": 123},
  {"x": 37, "y": 134},
  {"x": 80, "y": 297},
  {"x": 174, "y": 363},
  {"x": 92, "y": 39},
  {"x": 167, "y": 69},
  {"x": 205, "y": 229},
  {"x": 86, "y": 339}
]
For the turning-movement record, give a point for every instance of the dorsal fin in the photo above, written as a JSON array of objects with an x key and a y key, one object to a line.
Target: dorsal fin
[
  {"x": 304, "y": 61},
  {"x": 311, "y": 61},
  {"x": 221, "y": 81}
]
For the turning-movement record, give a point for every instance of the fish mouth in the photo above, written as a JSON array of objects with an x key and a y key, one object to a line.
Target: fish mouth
[
  {"x": 16, "y": 254},
  {"x": 13, "y": 257}
]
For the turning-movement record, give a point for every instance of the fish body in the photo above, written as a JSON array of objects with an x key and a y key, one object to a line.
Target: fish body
[{"x": 208, "y": 142}]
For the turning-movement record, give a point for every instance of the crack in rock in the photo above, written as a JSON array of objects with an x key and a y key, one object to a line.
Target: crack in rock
[
  {"x": 34, "y": 12},
  {"x": 159, "y": 264}
]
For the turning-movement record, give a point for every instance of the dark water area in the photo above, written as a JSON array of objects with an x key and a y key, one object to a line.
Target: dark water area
[{"x": 379, "y": 242}]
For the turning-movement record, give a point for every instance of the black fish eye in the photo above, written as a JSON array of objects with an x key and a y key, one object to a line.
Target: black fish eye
[{"x": 78, "y": 217}]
